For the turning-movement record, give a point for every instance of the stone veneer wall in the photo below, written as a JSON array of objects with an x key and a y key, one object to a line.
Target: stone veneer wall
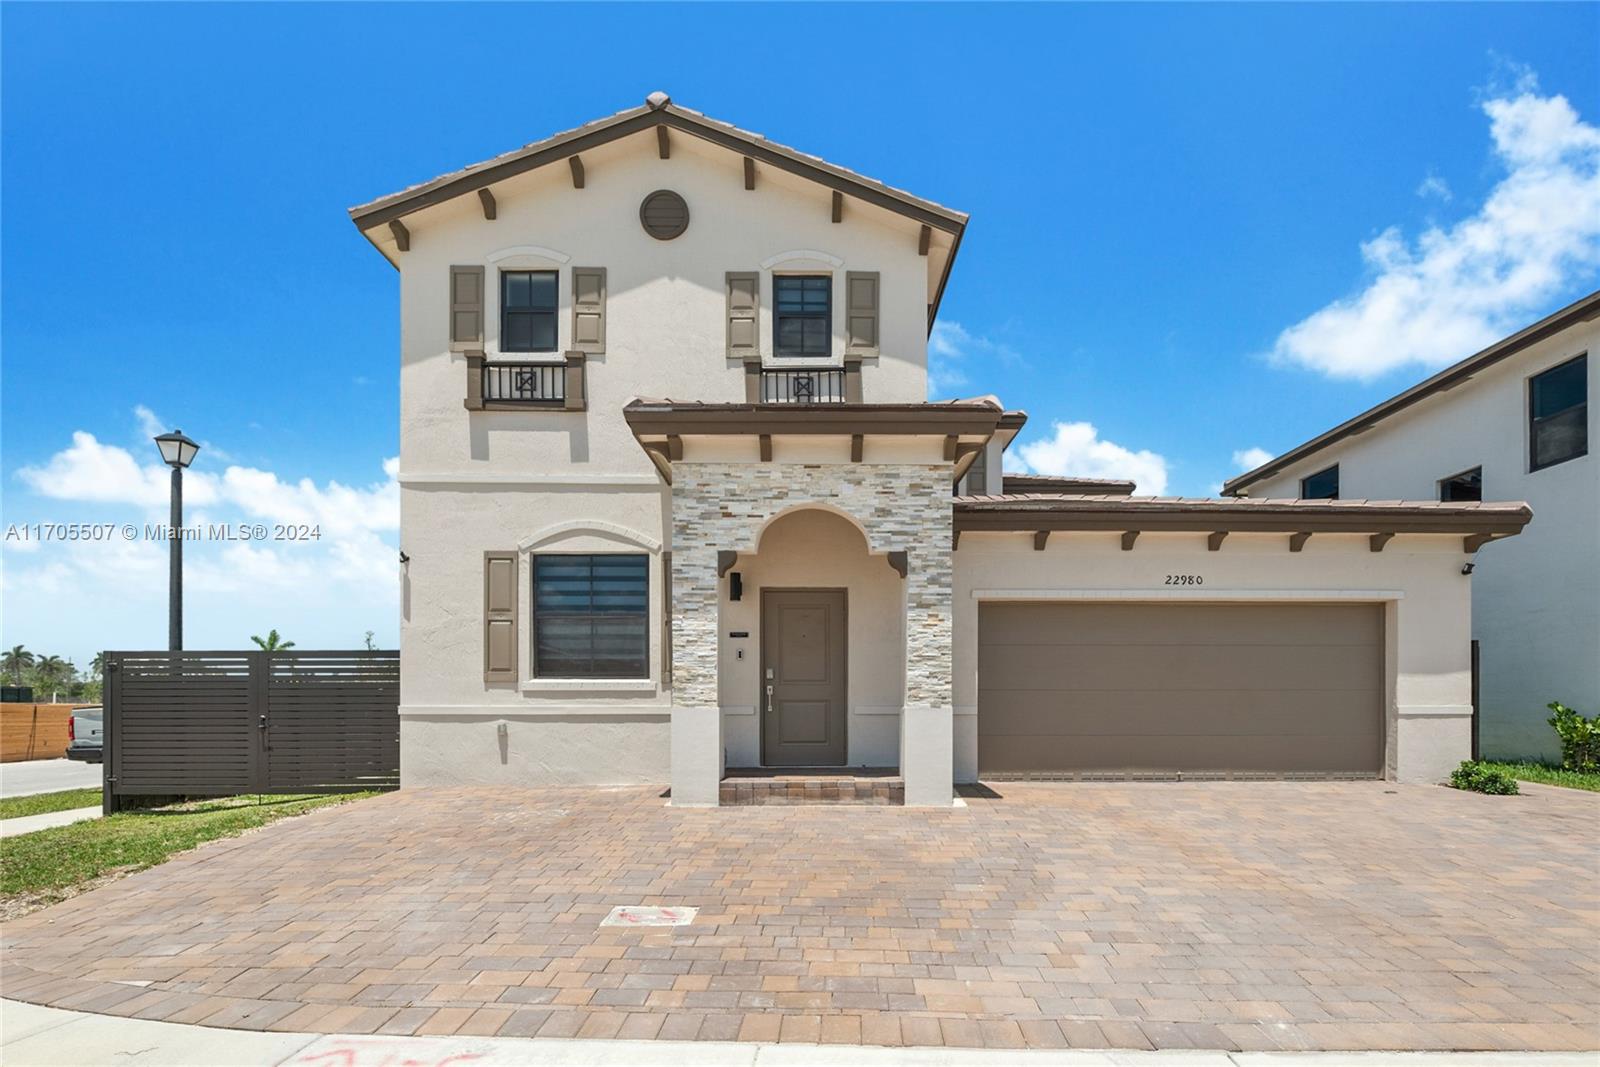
[{"x": 724, "y": 506}]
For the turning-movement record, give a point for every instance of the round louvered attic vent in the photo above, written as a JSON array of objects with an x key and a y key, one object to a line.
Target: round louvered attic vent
[{"x": 664, "y": 215}]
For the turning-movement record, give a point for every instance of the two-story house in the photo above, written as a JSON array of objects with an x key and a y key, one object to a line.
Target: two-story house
[
  {"x": 1510, "y": 422},
  {"x": 675, "y": 508}
]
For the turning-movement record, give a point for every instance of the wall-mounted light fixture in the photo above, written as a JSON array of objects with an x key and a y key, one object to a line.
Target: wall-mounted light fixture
[{"x": 735, "y": 585}]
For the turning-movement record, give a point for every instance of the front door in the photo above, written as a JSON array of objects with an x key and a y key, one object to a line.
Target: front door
[{"x": 803, "y": 677}]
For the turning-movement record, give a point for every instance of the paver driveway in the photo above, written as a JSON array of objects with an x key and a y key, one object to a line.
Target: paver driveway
[{"x": 1224, "y": 915}]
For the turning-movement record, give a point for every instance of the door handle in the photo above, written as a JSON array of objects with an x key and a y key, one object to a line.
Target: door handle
[{"x": 769, "y": 699}]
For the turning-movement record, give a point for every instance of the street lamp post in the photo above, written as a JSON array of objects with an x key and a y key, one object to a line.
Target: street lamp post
[{"x": 177, "y": 451}]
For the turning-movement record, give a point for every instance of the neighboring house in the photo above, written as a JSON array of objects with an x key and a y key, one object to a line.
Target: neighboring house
[
  {"x": 1513, "y": 422},
  {"x": 673, "y": 501}
]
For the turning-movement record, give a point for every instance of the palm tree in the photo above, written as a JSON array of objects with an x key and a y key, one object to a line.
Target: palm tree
[
  {"x": 272, "y": 642},
  {"x": 97, "y": 666},
  {"x": 15, "y": 662},
  {"x": 51, "y": 670}
]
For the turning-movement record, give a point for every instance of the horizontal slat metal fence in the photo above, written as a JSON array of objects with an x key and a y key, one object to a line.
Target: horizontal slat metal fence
[{"x": 215, "y": 723}]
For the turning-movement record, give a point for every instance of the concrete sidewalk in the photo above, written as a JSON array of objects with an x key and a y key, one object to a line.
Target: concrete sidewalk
[
  {"x": 26, "y": 778},
  {"x": 27, "y": 824},
  {"x": 32, "y": 1036}
]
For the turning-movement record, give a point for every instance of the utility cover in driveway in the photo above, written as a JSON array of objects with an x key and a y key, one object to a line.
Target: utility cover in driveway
[
  {"x": 1180, "y": 688},
  {"x": 640, "y": 915}
]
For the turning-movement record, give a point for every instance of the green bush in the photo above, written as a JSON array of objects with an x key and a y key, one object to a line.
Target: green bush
[
  {"x": 1580, "y": 738},
  {"x": 1482, "y": 778}
]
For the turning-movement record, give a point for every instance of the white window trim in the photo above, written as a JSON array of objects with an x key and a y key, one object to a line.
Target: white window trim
[
  {"x": 525, "y": 257},
  {"x": 521, "y": 252},
  {"x": 607, "y": 530},
  {"x": 627, "y": 541},
  {"x": 810, "y": 254},
  {"x": 589, "y": 685}
]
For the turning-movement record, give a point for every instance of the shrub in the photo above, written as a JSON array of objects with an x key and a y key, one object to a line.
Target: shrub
[
  {"x": 1580, "y": 738},
  {"x": 1482, "y": 778}
]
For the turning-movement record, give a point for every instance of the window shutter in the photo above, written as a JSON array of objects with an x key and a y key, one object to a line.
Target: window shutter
[
  {"x": 499, "y": 616},
  {"x": 861, "y": 312},
  {"x": 466, "y": 309},
  {"x": 744, "y": 312},
  {"x": 589, "y": 309}
]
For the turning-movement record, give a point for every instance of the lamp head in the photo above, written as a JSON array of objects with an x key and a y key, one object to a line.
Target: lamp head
[{"x": 176, "y": 449}]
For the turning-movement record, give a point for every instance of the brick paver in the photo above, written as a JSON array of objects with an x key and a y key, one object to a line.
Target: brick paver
[{"x": 1267, "y": 915}]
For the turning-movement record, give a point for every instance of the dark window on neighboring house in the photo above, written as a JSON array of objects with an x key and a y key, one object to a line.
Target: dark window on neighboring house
[
  {"x": 528, "y": 311},
  {"x": 591, "y": 616},
  {"x": 802, "y": 323},
  {"x": 978, "y": 474},
  {"x": 1558, "y": 414},
  {"x": 1323, "y": 485},
  {"x": 1468, "y": 485}
]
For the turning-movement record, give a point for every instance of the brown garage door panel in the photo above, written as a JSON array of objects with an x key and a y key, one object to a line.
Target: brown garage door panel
[
  {"x": 1235, "y": 713},
  {"x": 1180, "y": 668},
  {"x": 1174, "y": 754},
  {"x": 1185, "y": 688},
  {"x": 1155, "y": 624}
]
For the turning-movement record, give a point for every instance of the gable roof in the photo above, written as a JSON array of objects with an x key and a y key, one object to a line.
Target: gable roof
[
  {"x": 659, "y": 110},
  {"x": 1580, "y": 310}
]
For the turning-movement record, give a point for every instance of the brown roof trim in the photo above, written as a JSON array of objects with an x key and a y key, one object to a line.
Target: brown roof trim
[
  {"x": 1035, "y": 512},
  {"x": 1050, "y": 483},
  {"x": 634, "y": 120},
  {"x": 657, "y": 417},
  {"x": 1013, "y": 420},
  {"x": 1579, "y": 311},
  {"x": 659, "y": 112}
]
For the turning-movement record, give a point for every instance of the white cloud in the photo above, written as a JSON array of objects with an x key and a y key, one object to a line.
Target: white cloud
[
  {"x": 1248, "y": 459},
  {"x": 106, "y": 474},
  {"x": 952, "y": 349},
  {"x": 1435, "y": 187},
  {"x": 150, "y": 424},
  {"x": 94, "y": 472},
  {"x": 1459, "y": 288},
  {"x": 81, "y": 596},
  {"x": 1077, "y": 450}
]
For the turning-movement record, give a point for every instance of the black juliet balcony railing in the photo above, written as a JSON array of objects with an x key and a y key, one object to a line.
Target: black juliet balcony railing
[
  {"x": 516, "y": 386},
  {"x": 803, "y": 385}
]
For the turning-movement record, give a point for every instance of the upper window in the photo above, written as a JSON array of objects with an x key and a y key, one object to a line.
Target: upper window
[
  {"x": 528, "y": 311},
  {"x": 1468, "y": 485},
  {"x": 1323, "y": 485},
  {"x": 591, "y": 616},
  {"x": 1558, "y": 414},
  {"x": 802, "y": 323}
]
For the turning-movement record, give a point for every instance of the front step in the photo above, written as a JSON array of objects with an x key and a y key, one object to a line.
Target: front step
[{"x": 760, "y": 786}]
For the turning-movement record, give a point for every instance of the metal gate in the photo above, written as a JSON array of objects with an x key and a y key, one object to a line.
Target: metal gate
[{"x": 217, "y": 723}]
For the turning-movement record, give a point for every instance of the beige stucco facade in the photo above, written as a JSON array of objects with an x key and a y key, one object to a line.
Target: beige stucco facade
[
  {"x": 577, "y": 481},
  {"x": 866, "y": 508},
  {"x": 1536, "y": 597}
]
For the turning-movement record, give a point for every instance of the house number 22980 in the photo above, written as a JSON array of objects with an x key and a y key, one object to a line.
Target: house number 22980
[{"x": 1184, "y": 579}]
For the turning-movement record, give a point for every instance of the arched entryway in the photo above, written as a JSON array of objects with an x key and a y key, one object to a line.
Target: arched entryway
[{"x": 821, "y": 663}]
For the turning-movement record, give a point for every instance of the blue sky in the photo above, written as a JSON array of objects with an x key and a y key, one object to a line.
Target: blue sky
[{"x": 1196, "y": 231}]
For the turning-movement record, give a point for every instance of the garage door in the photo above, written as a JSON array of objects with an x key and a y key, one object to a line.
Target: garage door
[{"x": 1180, "y": 688}]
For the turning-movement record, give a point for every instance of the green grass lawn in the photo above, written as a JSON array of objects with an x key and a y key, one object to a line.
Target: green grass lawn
[
  {"x": 40, "y": 868},
  {"x": 1539, "y": 772},
  {"x": 44, "y": 803}
]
